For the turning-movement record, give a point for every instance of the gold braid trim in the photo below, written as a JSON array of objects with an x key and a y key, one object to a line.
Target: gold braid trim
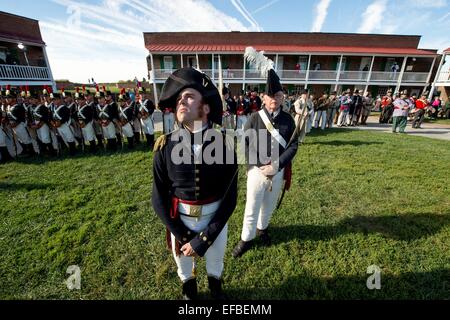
[{"x": 160, "y": 143}]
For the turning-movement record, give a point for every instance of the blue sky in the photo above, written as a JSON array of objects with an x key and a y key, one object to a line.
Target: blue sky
[{"x": 103, "y": 38}]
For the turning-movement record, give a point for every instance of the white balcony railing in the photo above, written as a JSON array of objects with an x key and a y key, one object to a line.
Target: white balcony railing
[
  {"x": 354, "y": 75},
  {"x": 322, "y": 75},
  {"x": 444, "y": 76},
  {"x": 314, "y": 75},
  {"x": 384, "y": 76},
  {"x": 13, "y": 72},
  {"x": 415, "y": 77}
]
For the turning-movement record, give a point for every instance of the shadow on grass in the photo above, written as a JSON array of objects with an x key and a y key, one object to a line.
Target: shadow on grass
[
  {"x": 433, "y": 284},
  {"x": 24, "y": 186},
  {"x": 346, "y": 143},
  {"x": 82, "y": 154},
  {"x": 405, "y": 227}
]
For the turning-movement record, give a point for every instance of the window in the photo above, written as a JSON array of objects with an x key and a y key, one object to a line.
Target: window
[{"x": 168, "y": 62}]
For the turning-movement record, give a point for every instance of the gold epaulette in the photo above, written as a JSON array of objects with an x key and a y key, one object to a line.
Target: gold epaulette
[{"x": 160, "y": 143}]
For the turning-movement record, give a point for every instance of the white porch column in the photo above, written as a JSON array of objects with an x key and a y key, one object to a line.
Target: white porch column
[
  {"x": 307, "y": 72},
  {"x": 181, "y": 55},
  {"x": 243, "y": 76},
  {"x": 152, "y": 77},
  {"x": 436, "y": 78},
  {"x": 429, "y": 74},
  {"x": 370, "y": 74},
  {"x": 338, "y": 74},
  {"x": 400, "y": 76},
  {"x": 196, "y": 58},
  {"x": 212, "y": 67},
  {"x": 276, "y": 62}
]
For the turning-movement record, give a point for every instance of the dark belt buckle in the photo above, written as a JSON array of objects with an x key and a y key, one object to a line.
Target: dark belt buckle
[{"x": 195, "y": 211}]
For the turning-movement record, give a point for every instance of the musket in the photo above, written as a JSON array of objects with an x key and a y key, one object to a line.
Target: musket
[{"x": 300, "y": 128}]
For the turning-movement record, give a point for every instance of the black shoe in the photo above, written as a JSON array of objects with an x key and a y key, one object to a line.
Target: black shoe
[
  {"x": 130, "y": 143},
  {"x": 100, "y": 141},
  {"x": 137, "y": 137},
  {"x": 215, "y": 286},
  {"x": 241, "y": 248},
  {"x": 190, "y": 289},
  {"x": 72, "y": 148},
  {"x": 264, "y": 236},
  {"x": 4, "y": 155}
]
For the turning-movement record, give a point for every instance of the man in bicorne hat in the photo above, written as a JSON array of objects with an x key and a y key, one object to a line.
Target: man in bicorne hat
[
  {"x": 269, "y": 158},
  {"x": 194, "y": 198}
]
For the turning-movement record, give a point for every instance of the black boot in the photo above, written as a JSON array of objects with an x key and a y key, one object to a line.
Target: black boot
[
  {"x": 29, "y": 149},
  {"x": 100, "y": 141},
  {"x": 111, "y": 145},
  {"x": 92, "y": 146},
  {"x": 137, "y": 137},
  {"x": 42, "y": 147},
  {"x": 264, "y": 236},
  {"x": 72, "y": 148},
  {"x": 215, "y": 285},
  {"x": 51, "y": 151},
  {"x": 119, "y": 139},
  {"x": 190, "y": 289},
  {"x": 4, "y": 154},
  {"x": 130, "y": 143},
  {"x": 150, "y": 140},
  {"x": 241, "y": 248}
]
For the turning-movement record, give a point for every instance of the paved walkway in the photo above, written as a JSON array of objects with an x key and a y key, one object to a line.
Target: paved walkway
[{"x": 435, "y": 131}]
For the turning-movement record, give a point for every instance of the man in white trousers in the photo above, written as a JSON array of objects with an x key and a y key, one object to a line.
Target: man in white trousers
[
  {"x": 269, "y": 158},
  {"x": 193, "y": 198}
]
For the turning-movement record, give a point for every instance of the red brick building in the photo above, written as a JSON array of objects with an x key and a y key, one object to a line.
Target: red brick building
[
  {"x": 23, "y": 58},
  {"x": 319, "y": 61}
]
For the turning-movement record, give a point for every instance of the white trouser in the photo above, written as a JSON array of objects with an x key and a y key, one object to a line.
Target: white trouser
[
  {"x": 22, "y": 134},
  {"x": 310, "y": 120},
  {"x": 97, "y": 128},
  {"x": 109, "y": 132},
  {"x": 342, "y": 118},
  {"x": 169, "y": 121},
  {"x": 43, "y": 134},
  {"x": 241, "y": 121},
  {"x": 137, "y": 125},
  {"x": 66, "y": 133},
  {"x": 2, "y": 138},
  {"x": 228, "y": 122},
  {"x": 127, "y": 131},
  {"x": 76, "y": 129},
  {"x": 320, "y": 115},
  {"x": 88, "y": 132},
  {"x": 330, "y": 117},
  {"x": 261, "y": 201},
  {"x": 147, "y": 125},
  {"x": 213, "y": 256}
]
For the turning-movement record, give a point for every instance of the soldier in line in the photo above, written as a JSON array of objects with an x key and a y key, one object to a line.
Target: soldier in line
[
  {"x": 61, "y": 120},
  {"x": 85, "y": 119},
  {"x": 5, "y": 156},
  {"x": 16, "y": 113},
  {"x": 107, "y": 115},
  {"x": 229, "y": 109},
  {"x": 126, "y": 118},
  {"x": 146, "y": 109},
  {"x": 40, "y": 121},
  {"x": 331, "y": 111},
  {"x": 92, "y": 101},
  {"x": 387, "y": 107}
]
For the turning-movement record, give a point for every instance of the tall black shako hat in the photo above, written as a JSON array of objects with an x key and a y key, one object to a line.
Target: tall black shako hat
[
  {"x": 265, "y": 66},
  {"x": 191, "y": 78}
]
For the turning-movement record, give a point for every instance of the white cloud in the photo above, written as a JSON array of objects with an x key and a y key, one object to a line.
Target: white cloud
[
  {"x": 321, "y": 14},
  {"x": 109, "y": 43},
  {"x": 265, "y": 6},
  {"x": 247, "y": 15},
  {"x": 372, "y": 18},
  {"x": 429, "y": 3}
]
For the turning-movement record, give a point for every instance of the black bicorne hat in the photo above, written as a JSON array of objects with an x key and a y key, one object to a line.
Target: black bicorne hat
[
  {"x": 191, "y": 78},
  {"x": 273, "y": 83}
]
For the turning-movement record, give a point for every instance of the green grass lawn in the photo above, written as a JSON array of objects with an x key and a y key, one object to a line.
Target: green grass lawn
[{"x": 358, "y": 198}]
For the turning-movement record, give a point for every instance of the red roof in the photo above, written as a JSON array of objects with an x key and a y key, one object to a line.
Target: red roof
[
  {"x": 287, "y": 48},
  {"x": 447, "y": 50}
]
